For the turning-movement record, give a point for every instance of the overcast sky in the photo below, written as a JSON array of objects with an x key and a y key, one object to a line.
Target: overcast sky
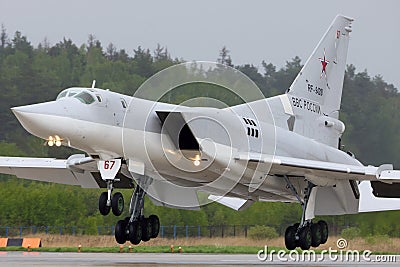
[{"x": 274, "y": 31}]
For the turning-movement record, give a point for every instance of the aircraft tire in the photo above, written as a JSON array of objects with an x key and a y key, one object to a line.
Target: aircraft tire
[
  {"x": 120, "y": 231},
  {"x": 290, "y": 239},
  {"x": 324, "y": 231},
  {"x": 146, "y": 229},
  {"x": 103, "y": 208},
  {"x": 135, "y": 232},
  {"x": 155, "y": 225},
  {"x": 117, "y": 204},
  {"x": 305, "y": 238},
  {"x": 316, "y": 235}
]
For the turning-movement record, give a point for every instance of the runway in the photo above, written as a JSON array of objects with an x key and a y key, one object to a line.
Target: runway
[{"x": 161, "y": 259}]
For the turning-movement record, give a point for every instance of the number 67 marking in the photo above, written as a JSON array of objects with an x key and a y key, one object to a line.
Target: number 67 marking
[{"x": 109, "y": 164}]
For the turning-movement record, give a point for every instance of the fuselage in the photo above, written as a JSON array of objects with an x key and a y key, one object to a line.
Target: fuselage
[{"x": 107, "y": 125}]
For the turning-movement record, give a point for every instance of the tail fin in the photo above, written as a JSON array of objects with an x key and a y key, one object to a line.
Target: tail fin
[{"x": 318, "y": 86}]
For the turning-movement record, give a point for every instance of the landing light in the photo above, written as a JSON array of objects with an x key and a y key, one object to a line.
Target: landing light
[
  {"x": 50, "y": 141},
  {"x": 56, "y": 140}
]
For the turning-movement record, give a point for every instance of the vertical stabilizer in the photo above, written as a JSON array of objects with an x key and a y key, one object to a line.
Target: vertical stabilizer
[{"x": 318, "y": 87}]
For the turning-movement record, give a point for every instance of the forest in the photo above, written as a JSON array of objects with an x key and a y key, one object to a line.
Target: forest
[{"x": 31, "y": 74}]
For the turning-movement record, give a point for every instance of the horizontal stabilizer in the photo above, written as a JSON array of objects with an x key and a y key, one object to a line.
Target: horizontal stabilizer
[
  {"x": 390, "y": 175},
  {"x": 232, "y": 202},
  {"x": 369, "y": 202},
  {"x": 385, "y": 190}
]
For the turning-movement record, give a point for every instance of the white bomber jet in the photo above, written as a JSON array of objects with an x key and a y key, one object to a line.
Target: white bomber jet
[{"x": 237, "y": 155}]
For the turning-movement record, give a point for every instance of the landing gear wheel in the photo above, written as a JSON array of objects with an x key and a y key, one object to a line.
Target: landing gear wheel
[
  {"x": 103, "y": 208},
  {"x": 324, "y": 231},
  {"x": 146, "y": 229},
  {"x": 155, "y": 225},
  {"x": 305, "y": 238},
  {"x": 290, "y": 239},
  {"x": 120, "y": 231},
  {"x": 135, "y": 232},
  {"x": 117, "y": 204},
  {"x": 315, "y": 235}
]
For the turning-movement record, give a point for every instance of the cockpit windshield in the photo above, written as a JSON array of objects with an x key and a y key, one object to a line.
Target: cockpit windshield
[
  {"x": 62, "y": 94},
  {"x": 85, "y": 97},
  {"x": 78, "y": 93}
]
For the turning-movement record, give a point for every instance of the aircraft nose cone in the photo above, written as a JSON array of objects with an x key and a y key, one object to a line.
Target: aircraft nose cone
[
  {"x": 38, "y": 119},
  {"x": 19, "y": 112},
  {"x": 22, "y": 113},
  {"x": 26, "y": 114}
]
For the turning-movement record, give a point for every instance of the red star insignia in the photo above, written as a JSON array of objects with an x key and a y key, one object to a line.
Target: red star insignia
[{"x": 324, "y": 63}]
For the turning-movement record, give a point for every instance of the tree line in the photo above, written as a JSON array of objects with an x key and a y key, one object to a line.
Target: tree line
[{"x": 29, "y": 74}]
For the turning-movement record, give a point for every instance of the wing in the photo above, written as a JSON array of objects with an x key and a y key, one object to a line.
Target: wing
[
  {"x": 76, "y": 170},
  {"x": 49, "y": 170},
  {"x": 329, "y": 170}
]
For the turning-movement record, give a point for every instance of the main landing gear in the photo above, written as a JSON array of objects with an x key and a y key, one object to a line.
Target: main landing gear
[
  {"x": 108, "y": 170},
  {"x": 305, "y": 234},
  {"x": 137, "y": 228}
]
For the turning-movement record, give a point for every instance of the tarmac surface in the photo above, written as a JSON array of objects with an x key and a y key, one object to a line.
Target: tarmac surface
[{"x": 176, "y": 259}]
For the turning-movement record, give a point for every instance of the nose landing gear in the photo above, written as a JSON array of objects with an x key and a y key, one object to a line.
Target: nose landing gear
[{"x": 108, "y": 170}]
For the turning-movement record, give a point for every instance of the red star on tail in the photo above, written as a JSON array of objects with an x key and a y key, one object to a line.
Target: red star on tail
[{"x": 324, "y": 63}]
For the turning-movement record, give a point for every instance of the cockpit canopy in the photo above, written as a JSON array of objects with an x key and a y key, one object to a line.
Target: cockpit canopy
[{"x": 84, "y": 95}]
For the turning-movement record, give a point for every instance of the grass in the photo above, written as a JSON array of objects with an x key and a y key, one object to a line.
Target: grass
[{"x": 228, "y": 245}]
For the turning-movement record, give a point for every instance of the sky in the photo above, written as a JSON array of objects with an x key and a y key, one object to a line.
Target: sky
[{"x": 253, "y": 31}]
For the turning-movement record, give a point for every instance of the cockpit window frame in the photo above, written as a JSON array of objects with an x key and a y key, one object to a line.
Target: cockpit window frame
[
  {"x": 85, "y": 97},
  {"x": 72, "y": 93},
  {"x": 68, "y": 93},
  {"x": 62, "y": 94}
]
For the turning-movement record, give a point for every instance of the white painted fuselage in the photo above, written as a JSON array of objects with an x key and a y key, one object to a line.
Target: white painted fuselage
[{"x": 119, "y": 126}]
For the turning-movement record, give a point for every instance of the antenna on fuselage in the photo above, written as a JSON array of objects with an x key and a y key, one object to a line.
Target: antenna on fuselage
[{"x": 93, "y": 83}]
